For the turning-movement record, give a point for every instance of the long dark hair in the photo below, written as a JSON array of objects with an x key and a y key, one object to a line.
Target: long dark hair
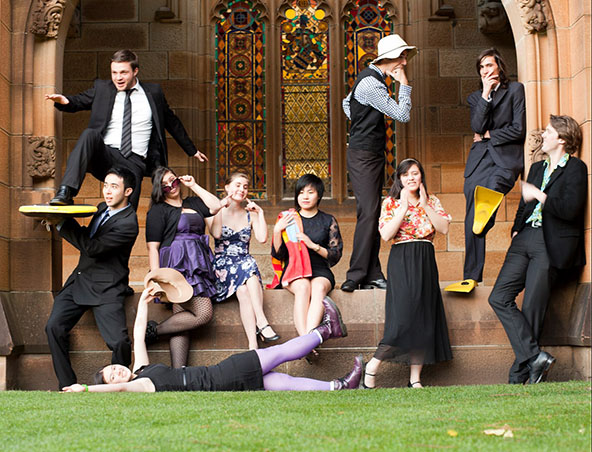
[
  {"x": 157, "y": 196},
  {"x": 303, "y": 182},
  {"x": 403, "y": 167},
  {"x": 493, "y": 52}
]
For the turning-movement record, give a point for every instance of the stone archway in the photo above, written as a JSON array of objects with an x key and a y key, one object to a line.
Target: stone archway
[{"x": 550, "y": 43}]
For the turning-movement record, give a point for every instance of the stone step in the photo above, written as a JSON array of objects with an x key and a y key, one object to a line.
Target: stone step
[{"x": 475, "y": 334}]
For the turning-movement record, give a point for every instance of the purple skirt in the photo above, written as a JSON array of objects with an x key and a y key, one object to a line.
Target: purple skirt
[{"x": 191, "y": 255}]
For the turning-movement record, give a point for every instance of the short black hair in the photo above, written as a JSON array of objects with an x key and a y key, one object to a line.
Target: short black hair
[
  {"x": 493, "y": 52},
  {"x": 157, "y": 196},
  {"x": 126, "y": 56},
  {"x": 99, "y": 378},
  {"x": 403, "y": 167},
  {"x": 303, "y": 182},
  {"x": 129, "y": 179}
]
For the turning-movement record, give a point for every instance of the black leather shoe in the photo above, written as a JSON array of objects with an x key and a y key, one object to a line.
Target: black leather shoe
[
  {"x": 63, "y": 197},
  {"x": 539, "y": 367},
  {"x": 349, "y": 285},
  {"x": 379, "y": 283}
]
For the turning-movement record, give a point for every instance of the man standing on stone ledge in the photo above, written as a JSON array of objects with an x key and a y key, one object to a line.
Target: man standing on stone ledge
[
  {"x": 547, "y": 236},
  {"x": 496, "y": 159},
  {"x": 100, "y": 280},
  {"x": 366, "y": 105},
  {"x": 126, "y": 128}
]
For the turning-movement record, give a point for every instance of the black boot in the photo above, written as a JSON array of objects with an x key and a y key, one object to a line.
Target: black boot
[{"x": 63, "y": 196}]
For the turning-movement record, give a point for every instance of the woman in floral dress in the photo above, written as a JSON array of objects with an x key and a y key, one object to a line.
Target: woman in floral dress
[
  {"x": 415, "y": 330},
  {"x": 236, "y": 270}
]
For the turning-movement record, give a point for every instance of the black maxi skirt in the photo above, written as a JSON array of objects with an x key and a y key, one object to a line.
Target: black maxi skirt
[{"x": 415, "y": 330}]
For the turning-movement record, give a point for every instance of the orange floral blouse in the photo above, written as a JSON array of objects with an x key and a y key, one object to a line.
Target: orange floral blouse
[{"x": 416, "y": 225}]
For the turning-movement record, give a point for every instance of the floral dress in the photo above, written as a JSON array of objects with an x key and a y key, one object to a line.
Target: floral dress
[
  {"x": 233, "y": 264},
  {"x": 415, "y": 330}
]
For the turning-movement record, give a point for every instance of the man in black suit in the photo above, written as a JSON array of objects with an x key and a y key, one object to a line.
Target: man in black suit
[
  {"x": 496, "y": 159},
  {"x": 126, "y": 128},
  {"x": 547, "y": 236},
  {"x": 100, "y": 280}
]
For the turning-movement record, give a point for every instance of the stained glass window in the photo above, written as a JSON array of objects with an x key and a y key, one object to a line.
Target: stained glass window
[
  {"x": 364, "y": 26},
  {"x": 305, "y": 94},
  {"x": 240, "y": 96}
]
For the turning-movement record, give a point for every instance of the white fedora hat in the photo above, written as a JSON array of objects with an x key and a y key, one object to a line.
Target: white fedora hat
[{"x": 392, "y": 46}]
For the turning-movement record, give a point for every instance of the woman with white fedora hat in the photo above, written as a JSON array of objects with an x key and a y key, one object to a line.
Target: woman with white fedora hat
[{"x": 366, "y": 105}]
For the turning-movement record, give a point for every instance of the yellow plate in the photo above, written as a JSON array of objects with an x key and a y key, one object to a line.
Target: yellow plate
[{"x": 47, "y": 211}]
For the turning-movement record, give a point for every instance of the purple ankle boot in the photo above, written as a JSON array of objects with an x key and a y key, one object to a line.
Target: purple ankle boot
[
  {"x": 332, "y": 325},
  {"x": 352, "y": 379}
]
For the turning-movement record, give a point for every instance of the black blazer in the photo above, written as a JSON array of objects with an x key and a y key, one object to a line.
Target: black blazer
[
  {"x": 563, "y": 212},
  {"x": 505, "y": 118},
  {"x": 102, "y": 273},
  {"x": 100, "y": 99}
]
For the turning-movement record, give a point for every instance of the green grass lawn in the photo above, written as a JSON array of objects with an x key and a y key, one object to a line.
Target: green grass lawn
[{"x": 548, "y": 416}]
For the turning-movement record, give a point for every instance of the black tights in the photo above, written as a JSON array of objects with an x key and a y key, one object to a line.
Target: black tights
[{"x": 186, "y": 316}]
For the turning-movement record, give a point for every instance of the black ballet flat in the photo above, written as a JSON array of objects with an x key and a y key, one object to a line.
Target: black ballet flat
[
  {"x": 263, "y": 338},
  {"x": 151, "y": 332},
  {"x": 411, "y": 385}
]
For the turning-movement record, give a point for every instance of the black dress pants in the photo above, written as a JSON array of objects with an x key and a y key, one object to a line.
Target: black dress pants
[
  {"x": 366, "y": 174},
  {"x": 110, "y": 318},
  {"x": 92, "y": 155},
  {"x": 526, "y": 267},
  {"x": 489, "y": 175}
]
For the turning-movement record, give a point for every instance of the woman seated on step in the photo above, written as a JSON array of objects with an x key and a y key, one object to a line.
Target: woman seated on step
[
  {"x": 305, "y": 271},
  {"x": 415, "y": 330},
  {"x": 176, "y": 238},
  {"x": 248, "y": 371},
  {"x": 236, "y": 270}
]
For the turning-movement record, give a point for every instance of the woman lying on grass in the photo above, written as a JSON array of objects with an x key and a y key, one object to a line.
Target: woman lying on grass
[{"x": 247, "y": 371}]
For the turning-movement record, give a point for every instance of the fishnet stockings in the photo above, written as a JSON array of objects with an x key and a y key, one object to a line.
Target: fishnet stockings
[{"x": 186, "y": 316}]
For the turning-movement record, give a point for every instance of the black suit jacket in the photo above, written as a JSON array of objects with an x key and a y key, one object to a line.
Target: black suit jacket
[
  {"x": 505, "y": 118},
  {"x": 100, "y": 99},
  {"x": 563, "y": 212},
  {"x": 102, "y": 273}
]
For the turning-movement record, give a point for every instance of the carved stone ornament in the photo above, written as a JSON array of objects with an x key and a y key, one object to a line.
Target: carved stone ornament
[
  {"x": 534, "y": 145},
  {"x": 492, "y": 17},
  {"x": 532, "y": 13},
  {"x": 47, "y": 17},
  {"x": 41, "y": 157}
]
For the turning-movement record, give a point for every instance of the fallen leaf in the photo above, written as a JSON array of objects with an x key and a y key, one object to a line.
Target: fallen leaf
[
  {"x": 452, "y": 433},
  {"x": 504, "y": 432}
]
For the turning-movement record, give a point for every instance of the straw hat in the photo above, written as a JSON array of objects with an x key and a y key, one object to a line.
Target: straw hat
[
  {"x": 169, "y": 285},
  {"x": 392, "y": 46}
]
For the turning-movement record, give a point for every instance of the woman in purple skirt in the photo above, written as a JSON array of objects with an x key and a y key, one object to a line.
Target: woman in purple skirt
[{"x": 176, "y": 238}]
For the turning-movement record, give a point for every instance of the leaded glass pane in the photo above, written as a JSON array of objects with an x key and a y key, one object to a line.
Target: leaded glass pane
[
  {"x": 305, "y": 94},
  {"x": 364, "y": 26},
  {"x": 240, "y": 96}
]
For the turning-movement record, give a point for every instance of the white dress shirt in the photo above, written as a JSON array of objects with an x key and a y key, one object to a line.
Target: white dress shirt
[{"x": 141, "y": 121}]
